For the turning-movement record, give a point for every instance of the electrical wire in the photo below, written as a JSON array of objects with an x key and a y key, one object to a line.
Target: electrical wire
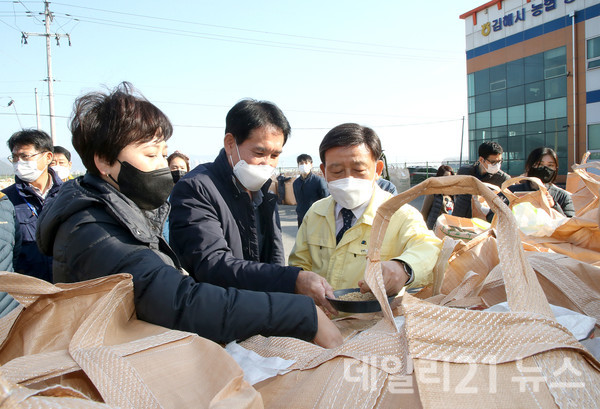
[
  {"x": 265, "y": 43},
  {"x": 249, "y": 30}
]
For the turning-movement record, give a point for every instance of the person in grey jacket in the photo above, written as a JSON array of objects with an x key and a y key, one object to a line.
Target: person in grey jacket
[{"x": 110, "y": 221}]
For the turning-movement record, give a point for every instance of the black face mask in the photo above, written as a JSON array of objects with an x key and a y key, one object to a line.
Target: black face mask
[
  {"x": 148, "y": 190},
  {"x": 177, "y": 174},
  {"x": 544, "y": 173}
]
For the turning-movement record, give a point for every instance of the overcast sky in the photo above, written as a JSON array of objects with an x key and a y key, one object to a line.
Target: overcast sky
[{"x": 396, "y": 66}]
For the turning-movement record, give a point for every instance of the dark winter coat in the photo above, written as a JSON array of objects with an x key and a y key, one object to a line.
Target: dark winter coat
[
  {"x": 28, "y": 207},
  {"x": 213, "y": 231},
  {"x": 93, "y": 230}
]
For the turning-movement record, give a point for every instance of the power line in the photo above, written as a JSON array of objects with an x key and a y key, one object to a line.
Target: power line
[
  {"x": 249, "y": 30},
  {"x": 259, "y": 42}
]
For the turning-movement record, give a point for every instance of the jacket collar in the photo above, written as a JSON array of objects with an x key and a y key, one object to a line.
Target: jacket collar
[
  {"x": 136, "y": 220},
  {"x": 326, "y": 206},
  {"x": 25, "y": 189}
]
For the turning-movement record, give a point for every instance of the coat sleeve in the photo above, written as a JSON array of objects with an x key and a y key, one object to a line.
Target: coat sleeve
[
  {"x": 420, "y": 247},
  {"x": 300, "y": 255},
  {"x": 566, "y": 203},
  {"x": 166, "y": 297},
  {"x": 196, "y": 226}
]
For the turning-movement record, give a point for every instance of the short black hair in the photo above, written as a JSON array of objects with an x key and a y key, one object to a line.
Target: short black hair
[
  {"x": 351, "y": 134},
  {"x": 443, "y": 169},
  {"x": 104, "y": 124},
  {"x": 489, "y": 148},
  {"x": 39, "y": 139},
  {"x": 304, "y": 158},
  {"x": 249, "y": 114},
  {"x": 64, "y": 151},
  {"x": 536, "y": 155}
]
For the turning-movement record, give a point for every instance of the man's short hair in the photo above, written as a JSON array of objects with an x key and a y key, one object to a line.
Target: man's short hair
[
  {"x": 64, "y": 151},
  {"x": 351, "y": 134},
  {"x": 304, "y": 158},
  {"x": 39, "y": 139},
  {"x": 249, "y": 114},
  {"x": 489, "y": 148},
  {"x": 104, "y": 123}
]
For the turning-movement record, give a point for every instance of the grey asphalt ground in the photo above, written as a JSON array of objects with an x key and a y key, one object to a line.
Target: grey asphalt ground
[{"x": 289, "y": 224}]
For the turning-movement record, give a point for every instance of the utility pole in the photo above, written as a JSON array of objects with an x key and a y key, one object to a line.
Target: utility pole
[{"x": 48, "y": 17}]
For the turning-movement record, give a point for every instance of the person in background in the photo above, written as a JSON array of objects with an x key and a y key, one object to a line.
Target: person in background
[
  {"x": 179, "y": 164},
  {"x": 10, "y": 244},
  {"x": 387, "y": 185},
  {"x": 35, "y": 184},
  {"x": 334, "y": 238},
  {"x": 109, "y": 221},
  {"x": 486, "y": 169},
  {"x": 61, "y": 163},
  {"x": 224, "y": 223},
  {"x": 434, "y": 205},
  {"x": 308, "y": 187},
  {"x": 542, "y": 163}
]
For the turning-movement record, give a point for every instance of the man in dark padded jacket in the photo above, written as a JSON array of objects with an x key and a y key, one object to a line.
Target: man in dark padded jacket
[
  {"x": 224, "y": 225},
  {"x": 110, "y": 221}
]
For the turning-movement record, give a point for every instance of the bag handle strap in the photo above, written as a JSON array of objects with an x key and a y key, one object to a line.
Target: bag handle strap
[
  {"x": 25, "y": 289},
  {"x": 542, "y": 192},
  {"x": 523, "y": 290}
]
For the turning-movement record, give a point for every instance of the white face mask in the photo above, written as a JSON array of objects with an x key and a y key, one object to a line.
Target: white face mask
[
  {"x": 493, "y": 168},
  {"x": 27, "y": 170},
  {"x": 305, "y": 168},
  {"x": 62, "y": 171},
  {"x": 351, "y": 192},
  {"x": 252, "y": 177}
]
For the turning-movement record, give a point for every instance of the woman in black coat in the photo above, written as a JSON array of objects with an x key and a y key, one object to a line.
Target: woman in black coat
[
  {"x": 110, "y": 221},
  {"x": 542, "y": 163}
]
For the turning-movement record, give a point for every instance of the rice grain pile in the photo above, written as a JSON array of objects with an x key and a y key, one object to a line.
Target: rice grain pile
[{"x": 357, "y": 296}]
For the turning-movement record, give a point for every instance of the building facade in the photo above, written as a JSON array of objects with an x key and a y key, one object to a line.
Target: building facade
[{"x": 533, "y": 75}]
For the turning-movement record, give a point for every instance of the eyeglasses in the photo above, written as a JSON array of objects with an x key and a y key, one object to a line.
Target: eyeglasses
[
  {"x": 493, "y": 163},
  {"x": 23, "y": 156}
]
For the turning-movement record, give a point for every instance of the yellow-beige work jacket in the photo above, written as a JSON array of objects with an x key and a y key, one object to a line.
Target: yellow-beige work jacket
[{"x": 343, "y": 265}]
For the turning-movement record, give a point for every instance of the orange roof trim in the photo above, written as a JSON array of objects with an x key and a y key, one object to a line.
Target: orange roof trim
[{"x": 480, "y": 8}]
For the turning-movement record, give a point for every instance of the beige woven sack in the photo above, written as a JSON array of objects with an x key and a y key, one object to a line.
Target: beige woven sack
[
  {"x": 460, "y": 358},
  {"x": 484, "y": 359},
  {"x": 578, "y": 237},
  {"x": 85, "y": 336},
  {"x": 584, "y": 187}
]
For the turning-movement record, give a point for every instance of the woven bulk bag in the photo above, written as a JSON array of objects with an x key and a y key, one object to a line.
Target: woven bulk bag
[
  {"x": 443, "y": 357},
  {"x": 584, "y": 187},
  {"x": 85, "y": 336},
  {"x": 577, "y": 237}
]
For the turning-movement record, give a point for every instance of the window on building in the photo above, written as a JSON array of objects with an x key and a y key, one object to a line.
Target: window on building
[
  {"x": 593, "y": 53},
  {"x": 594, "y": 137},
  {"x": 521, "y": 105}
]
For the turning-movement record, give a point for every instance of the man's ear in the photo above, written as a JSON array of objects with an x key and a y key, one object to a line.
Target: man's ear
[
  {"x": 49, "y": 157},
  {"x": 322, "y": 169},
  {"x": 379, "y": 167},
  {"x": 229, "y": 143}
]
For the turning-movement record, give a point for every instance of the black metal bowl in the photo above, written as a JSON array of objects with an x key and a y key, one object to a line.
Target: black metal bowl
[{"x": 355, "y": 306}]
